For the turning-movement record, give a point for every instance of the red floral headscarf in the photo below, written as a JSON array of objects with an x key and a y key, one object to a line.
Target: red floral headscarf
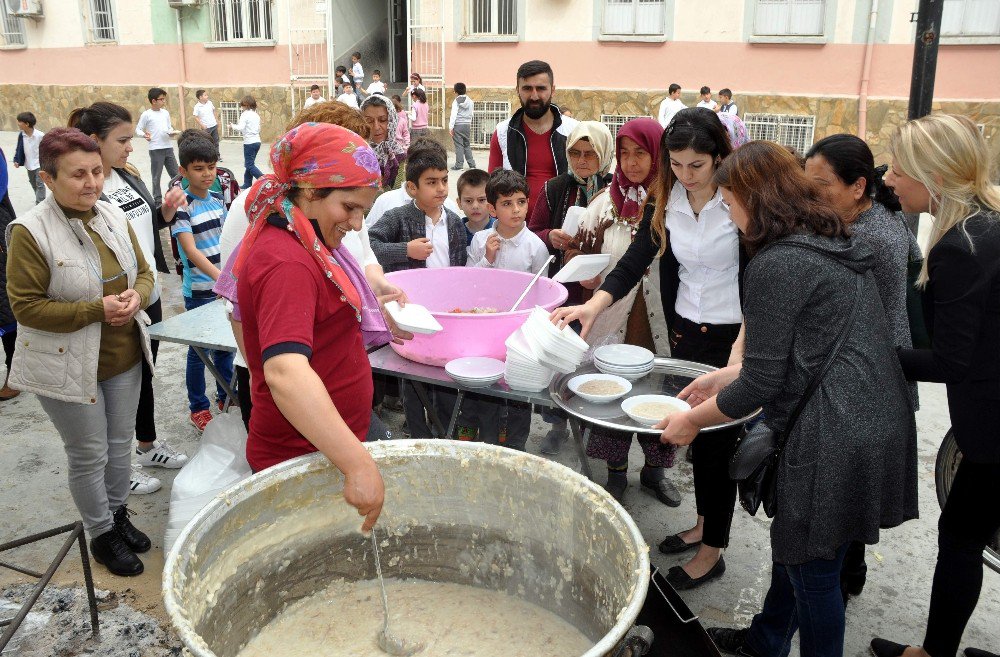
[{"x": 311, "y": 156}]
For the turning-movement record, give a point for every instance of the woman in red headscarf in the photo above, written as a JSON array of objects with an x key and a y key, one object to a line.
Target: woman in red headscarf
[
  {"x": 307, "y": 312},
  {"x": 609, "y": 226}
]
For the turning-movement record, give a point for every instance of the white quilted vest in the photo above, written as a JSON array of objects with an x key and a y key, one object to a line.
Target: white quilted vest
[{"x": 63, "y": 366}]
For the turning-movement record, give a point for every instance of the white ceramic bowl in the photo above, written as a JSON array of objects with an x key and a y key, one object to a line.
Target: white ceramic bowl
[
  {"x": 577, "y": 381},
  {"x": 624, "y": 355},
  {"x": 475, "y": 371},
  {"x": 625, "y": 374},
  {"x": 629, "y": 404}
]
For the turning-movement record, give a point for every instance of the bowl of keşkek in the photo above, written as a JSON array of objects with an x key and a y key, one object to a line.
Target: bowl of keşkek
[
  {"x": 651, "y": 409},
  {"x": 599, "y": 388}
]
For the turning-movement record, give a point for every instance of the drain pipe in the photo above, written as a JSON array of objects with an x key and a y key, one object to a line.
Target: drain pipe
[
  {"x": 866, "y": 72},
  {"x": 183, "y": 63}
]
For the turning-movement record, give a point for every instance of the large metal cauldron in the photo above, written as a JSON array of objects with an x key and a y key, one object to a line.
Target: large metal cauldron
[{"x": 466, "y": 513}]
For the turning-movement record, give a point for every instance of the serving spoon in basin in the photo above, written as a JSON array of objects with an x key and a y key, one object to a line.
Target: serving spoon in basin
[
  {"x": 545, "y": 267},
  {"x": 388, "y": 642}
]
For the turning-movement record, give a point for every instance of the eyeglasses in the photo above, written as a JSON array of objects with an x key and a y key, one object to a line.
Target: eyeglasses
[{"x": 125, "y": 270}]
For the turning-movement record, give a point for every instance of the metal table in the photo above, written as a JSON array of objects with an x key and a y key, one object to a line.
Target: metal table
[
  {"x": 204, "y": 329},
  {"x": 207, "y": 328},
  {"x": 669, "y": 377}
]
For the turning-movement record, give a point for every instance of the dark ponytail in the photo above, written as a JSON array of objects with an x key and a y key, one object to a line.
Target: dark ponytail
[
  {"x": 99, "y": 119},
  {"x": 850, "y": 158}
]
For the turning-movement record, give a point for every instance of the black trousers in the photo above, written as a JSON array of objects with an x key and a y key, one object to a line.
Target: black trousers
[
  {"x": 714, "y": 491},
  {"x": 145, "y": 420},
  {"x": 971, "y": 517},
  {"x": 243, "y": 394}
]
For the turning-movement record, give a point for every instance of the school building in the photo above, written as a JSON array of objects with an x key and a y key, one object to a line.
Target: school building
[{"x": 799, "y": 69}]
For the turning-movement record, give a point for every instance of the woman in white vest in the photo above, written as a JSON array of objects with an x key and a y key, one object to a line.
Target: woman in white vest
[{"x": 77, "y": 282}]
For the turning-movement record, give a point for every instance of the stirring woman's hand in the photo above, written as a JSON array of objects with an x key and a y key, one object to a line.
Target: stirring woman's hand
[
  {"x": 585, "y": 314},
  {"x": 365, "y": 491},
  {"x": 677, "y": 429}
]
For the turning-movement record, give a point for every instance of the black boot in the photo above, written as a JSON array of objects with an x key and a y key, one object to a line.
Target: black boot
[
  {"x": 134, "y": 539},
  {"x": 976, "y": 652},
  {"x": 617, "y": 483},
  {"x": 110, "y": 550},
  {"x": 655, "y": 479},
  {"x": 731, "y": 641}
]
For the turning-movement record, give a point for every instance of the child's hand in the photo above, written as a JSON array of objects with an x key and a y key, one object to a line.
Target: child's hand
[
  {"x": 148, "y": 135},
  {"x": 419, "y": 249},
  {"x": 492, "y": 248},
  {"x": 173, "y": 200}
]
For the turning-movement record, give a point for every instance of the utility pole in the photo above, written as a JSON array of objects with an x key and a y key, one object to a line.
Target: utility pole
[{"x": 925, "y": 55}]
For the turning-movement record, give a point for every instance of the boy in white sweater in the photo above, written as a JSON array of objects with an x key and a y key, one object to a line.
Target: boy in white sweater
[{"x": 155, "y": 126}]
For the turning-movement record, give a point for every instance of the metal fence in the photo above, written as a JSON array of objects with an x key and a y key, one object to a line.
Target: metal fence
[
  {"x": 102, "y": 21},
  {"x": 11, "y": 28},
  {"x": 241, "y": 20},
  {"x": 229, "y": 113},
  {"x": 793, "y": 131},
  {"x": 615, "y": 121},
  {"x": 487, "y": 114}
]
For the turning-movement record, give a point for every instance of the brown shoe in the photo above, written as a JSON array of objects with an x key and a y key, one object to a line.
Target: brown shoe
[{"x": 8, "y": 393}]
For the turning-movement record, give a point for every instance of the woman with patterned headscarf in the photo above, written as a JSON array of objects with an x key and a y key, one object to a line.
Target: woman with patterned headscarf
[
  {"x": 609, "y": 226},
  {"x": 380, "y": 115},
  {"x": 307, "y": 312}
]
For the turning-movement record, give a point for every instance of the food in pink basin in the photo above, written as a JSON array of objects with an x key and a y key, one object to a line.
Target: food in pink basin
[{"x": 466, "y": 288}]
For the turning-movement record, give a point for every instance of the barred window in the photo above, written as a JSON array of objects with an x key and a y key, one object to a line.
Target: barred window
[
  {"x": 789, "y": 130},
  {"x": 616, "y": 121},
  {"x": 633, "y": 17},
  {"x": 490, "y": 18},
  {"x": 789, "y": 18},
  {"x": 485, "y": 119},
  {"x": 964, "y": 18},
  {"x": 242, "y": 21},
  {"x": 103, "y": 26},
  {"x": 229, "y": 113},
  {"x": 11, "y": 28}
]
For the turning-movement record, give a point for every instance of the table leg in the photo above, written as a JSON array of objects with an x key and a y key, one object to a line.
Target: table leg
[
  {"x": 226, "y": 387},
  {"x": 581, "y": 450},
  {"x": 425, "y": 400},
  {"x": 454, "y": 413}
]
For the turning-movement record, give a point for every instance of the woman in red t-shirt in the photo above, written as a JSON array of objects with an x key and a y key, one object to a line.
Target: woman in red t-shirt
[{"x": 307, "y": 312}]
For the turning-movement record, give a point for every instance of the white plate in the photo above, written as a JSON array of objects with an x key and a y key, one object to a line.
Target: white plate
[
  {"x": 476, "y": 383},
  {"x": 474, "y": 367},
  {"x": 413, "y": 318},
  {"x": 624, "y": 355},
  {"x": 583, "y": 267},
  {"x": 577, "y": 381},
  {"x": 571, "y": 224},
  {"x": 646, "y": 366},
  {"x": 632, "y": 402}
]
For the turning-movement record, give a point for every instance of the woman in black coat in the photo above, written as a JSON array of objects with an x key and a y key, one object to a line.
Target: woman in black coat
[{"x": 941, "y": 165}]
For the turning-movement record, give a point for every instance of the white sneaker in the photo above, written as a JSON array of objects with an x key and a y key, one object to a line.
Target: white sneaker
[
  {"x": 141, "y": 483},
  {"x": 161, "y": 456}
]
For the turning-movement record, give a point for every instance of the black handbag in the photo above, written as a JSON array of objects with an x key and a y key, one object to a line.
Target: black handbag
[{"x": 754, "y": 465}]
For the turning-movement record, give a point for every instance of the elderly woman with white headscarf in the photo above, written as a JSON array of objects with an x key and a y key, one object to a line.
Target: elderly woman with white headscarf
[{"x": 380, "y": 115}]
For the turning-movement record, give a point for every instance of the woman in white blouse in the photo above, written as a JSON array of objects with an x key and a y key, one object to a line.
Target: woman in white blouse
[{"x": 688, "y": 227}]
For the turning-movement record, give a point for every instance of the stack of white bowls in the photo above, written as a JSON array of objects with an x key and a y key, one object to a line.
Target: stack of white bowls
[
  {"x": 624, "y": 360},
  {"x": 475, "y": 371},
  {"x": 538, "y": 349}
]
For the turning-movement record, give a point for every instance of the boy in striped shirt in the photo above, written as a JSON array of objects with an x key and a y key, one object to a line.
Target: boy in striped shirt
[{"x": 197, "y": 229}]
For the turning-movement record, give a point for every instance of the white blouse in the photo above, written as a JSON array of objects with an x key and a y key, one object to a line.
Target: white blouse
[{"x": 707, "y": 249}]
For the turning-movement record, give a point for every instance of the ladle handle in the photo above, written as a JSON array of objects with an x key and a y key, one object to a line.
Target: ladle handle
[{"x": 532, "y": 283}]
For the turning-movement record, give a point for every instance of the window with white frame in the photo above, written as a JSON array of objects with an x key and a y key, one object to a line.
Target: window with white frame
[
  {"x": 616, "y": 121},
  {"x": 791, "y": 130},
  {"x": 490, "y": 18},
  {"x": 11, "y": 28},
  {"x": 975, "y": 18},
  {"x": 633, "y": 17},
  {"x": 103, "y": 26},
  {"x": 242, "y": 21},
  {"x": 789, "y": 17}
]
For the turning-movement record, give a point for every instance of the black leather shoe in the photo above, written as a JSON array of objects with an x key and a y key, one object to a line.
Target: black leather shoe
[
  {"x": 110, "y": 550},
  {"x": 882, "y": 648},
  {"x": 976, "y": 652},
  {"x": 617, "y": 483},
  {"x": 681, "y": 581},
  {"x": 674, "y": 544},
  {"x": 656, "y": 480},
  {"x": 134, "y": 539},
  {"x": 732, "y": 641}
]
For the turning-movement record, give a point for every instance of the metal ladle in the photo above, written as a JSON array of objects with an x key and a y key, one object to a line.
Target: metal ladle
[
  {"x": 387, "y": 641},
  {"x": 544, "y": 268}
]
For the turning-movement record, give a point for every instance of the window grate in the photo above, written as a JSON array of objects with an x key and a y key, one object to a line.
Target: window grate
[
  {"x": 242, "y": 21},
  {"x": 229, "y": 113},
  {"x": 616, "y": 121},
  {"x": 633, "y": 17},
  {"x": 792, "y": 131},
  {"x": 102, "y": 21},
  {"x": 487, "y": 114},
  {"x": 11, "y": 28},
  {"x": 490, "y": 18}
]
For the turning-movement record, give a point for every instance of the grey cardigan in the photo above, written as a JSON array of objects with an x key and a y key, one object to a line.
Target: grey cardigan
[
  {"x": 391, "y": 233},
  {"x": 850, "y": 463}
]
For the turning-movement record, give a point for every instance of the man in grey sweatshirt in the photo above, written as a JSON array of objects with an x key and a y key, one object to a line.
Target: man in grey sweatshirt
[{"x": 460, "y": 126}]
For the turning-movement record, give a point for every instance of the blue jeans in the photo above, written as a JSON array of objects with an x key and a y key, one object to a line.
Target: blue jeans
[
  {"x": 804, "y": 598},
  {"x": 250, "y": 164},
  {"x": 195, "y": 377}
]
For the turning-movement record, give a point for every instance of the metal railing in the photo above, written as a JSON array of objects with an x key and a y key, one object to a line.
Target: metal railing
[
  {"x": 790, "y": 130},
  {"x": 11, "y": 28},
  {"x": 229, "y": 113},
  {"x": 242, "y": 20},
  {"x": 486, "y": 18},
  {"x": 485, "y": 117},
  {"x": 616, "y": 121},
  {"x": 102, "y": 21}
]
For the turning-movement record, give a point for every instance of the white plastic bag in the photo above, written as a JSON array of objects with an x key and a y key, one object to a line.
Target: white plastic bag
[{"x": 219, "y": 463}]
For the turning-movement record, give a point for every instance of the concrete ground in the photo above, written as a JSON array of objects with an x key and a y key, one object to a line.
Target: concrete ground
[{"x": 34, "y": 497}]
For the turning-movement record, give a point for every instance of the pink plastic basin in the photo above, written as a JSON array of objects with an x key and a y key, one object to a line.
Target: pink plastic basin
[{"x": 442, "y": 290}]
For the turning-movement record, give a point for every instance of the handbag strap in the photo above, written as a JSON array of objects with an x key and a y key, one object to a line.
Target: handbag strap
[{"x": 841, "y": 339}]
